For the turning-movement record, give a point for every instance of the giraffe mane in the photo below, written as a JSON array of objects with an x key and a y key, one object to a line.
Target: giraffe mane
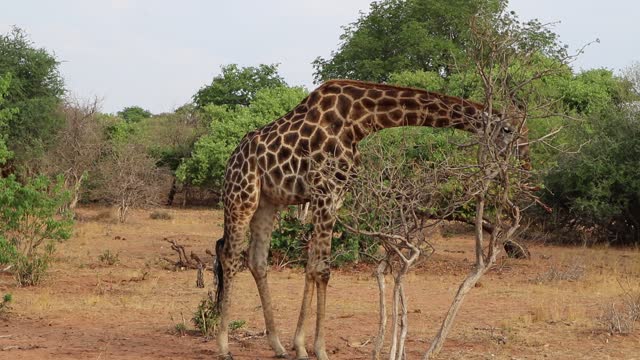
[{"x": 377, "y": 86}]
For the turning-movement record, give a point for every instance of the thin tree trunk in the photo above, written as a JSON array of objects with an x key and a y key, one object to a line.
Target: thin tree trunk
[
  {"x": 382, "y": 325},
  {"x": 468, "y": 283},
  {"x": 464, "y": 288},
  {"x": 172, "y": 192},
  {"x": 404, "y": 323}
]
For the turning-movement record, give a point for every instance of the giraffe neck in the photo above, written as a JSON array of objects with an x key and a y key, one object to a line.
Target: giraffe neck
[{"x": 375, "y": 107}]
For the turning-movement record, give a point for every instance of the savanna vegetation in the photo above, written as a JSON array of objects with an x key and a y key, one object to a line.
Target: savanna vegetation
[{"x": 59, "y": 153}]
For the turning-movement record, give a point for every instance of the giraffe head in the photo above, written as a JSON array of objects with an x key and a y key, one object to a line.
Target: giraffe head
[{"x": 508, "y": 131}]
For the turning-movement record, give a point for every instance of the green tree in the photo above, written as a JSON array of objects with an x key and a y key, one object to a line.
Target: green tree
[
  {"x": 238, "y": 86},
  {"x": 207, "y": 163},
  {"x": 35, "y": 91},
  {"x": 134, "y": 113},
  {"x": 399, "y": 35},
  {"x": 5, "y": 115}
]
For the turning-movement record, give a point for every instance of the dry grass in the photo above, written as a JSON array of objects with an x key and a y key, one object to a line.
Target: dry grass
[
  {"x": 160, "y": 215},
  {"x": 84, "y": 305},
  {"x": 557, "y": 272}
]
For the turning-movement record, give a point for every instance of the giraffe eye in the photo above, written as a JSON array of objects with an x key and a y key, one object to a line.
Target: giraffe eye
[{"x": 507, "y": 130}]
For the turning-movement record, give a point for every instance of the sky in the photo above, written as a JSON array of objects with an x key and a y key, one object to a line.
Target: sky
[{"x": 157, "y": 53}]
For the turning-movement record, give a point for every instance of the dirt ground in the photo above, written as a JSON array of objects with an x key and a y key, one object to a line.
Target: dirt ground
[{"x": 86, "y": 309}]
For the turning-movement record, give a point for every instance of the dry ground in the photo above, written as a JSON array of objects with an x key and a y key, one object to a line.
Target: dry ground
[{"x": 88, "y": 310}]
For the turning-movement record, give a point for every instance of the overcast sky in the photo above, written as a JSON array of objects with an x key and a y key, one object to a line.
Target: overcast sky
[{"x": 158, "y": 53}]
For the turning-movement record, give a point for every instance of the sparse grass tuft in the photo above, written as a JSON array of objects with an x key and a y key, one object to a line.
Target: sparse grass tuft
[
  {"x": 574, "y": 272},
  {"x": 180, "y": 329},
  {"x": 109, "y": 258},
  {"x": 160, "y": 215},
  {"x": 4, "y": 305},
  {"x": 237, "y": 325},
  {"x": 107, "y": 215}
]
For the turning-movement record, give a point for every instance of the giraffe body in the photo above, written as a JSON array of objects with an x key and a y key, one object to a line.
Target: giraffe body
[{"x": 281, "y": 164}]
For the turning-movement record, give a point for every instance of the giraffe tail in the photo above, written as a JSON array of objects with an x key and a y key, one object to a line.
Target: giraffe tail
[{"x": 218, "y": 274}]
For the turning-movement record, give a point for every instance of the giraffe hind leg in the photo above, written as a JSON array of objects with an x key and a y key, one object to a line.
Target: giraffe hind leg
[{"x": 261, "y": 228}]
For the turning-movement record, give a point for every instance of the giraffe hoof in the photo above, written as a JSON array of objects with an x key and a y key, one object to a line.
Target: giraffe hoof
[
  {"x": 282, "y": 356},
  {"x": 225, "y": 357}
]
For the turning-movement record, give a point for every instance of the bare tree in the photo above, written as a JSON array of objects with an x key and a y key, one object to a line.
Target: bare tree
[
  {"x": 128, "y": 178},
  {"x": 395, "y": 199},
  {"x": 507, "y": 56},
  {"x": 632, "y": 74},
  {"x": 78, "y": 146}
]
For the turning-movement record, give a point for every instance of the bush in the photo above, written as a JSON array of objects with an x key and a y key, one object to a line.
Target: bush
[
  {"x": 621, "y": 317},
  {"x": 289, "y": 240},
  {"x": 206, "y": 318},
  {"x": 597, "y": 190},
  {"x": 30, "y": 217},
  {"x": 29, "y": 270}
]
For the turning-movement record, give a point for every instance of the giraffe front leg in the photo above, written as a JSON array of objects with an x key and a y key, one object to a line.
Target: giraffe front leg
[
  {"x": 318, "y": 267},
  {"x": 230, "y": 261},
  {"x": 298, "y": 341}
]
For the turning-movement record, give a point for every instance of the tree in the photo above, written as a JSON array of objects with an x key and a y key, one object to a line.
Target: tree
[
  {"x": 134, "y": 114},
  {"x": 238, "y": 86},
  {"x": 5, "y": 115},
  {"x": 78, "y": 146},
  {"x": 170, "y": 138},
  {"x": 208, "y": 160},
  {"x": 399, "y": 35},
  {"x": 129, "y": 178},
  {"x": 35, "y": 91},
  {"x": 400, "y": 187}
]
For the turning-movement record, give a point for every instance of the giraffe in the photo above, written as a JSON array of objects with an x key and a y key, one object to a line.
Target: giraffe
[{"x": 278, "y": 165}]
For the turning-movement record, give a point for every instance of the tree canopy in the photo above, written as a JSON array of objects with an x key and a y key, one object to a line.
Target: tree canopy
[
  {"x": 134, "y": 113},
  {"x": 237, "y": 86},
  {"x": 207, "y": 163},
  {"x": 35, "y": 90},
  {"x": 5, "y": 115},
  {"x": 399, "y": 35}
]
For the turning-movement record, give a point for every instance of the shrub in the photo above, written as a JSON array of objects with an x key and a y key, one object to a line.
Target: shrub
[
  {"x": 621, "y": 317},
  {"x": 206, "y": 318},
  {"x": 29, "y": 270},
  {"x": 598, "y": 190},
  {"x": 288, "y": 244},
  {"x": 290, "y": 237},
  {"x": 32, "y": 215}
]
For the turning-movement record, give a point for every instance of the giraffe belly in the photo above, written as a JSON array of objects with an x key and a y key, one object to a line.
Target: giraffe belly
[{"x": 281, "y": 195}]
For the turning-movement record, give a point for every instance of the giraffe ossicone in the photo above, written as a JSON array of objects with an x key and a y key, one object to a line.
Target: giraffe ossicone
[{"x": 281, "y": 164}]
